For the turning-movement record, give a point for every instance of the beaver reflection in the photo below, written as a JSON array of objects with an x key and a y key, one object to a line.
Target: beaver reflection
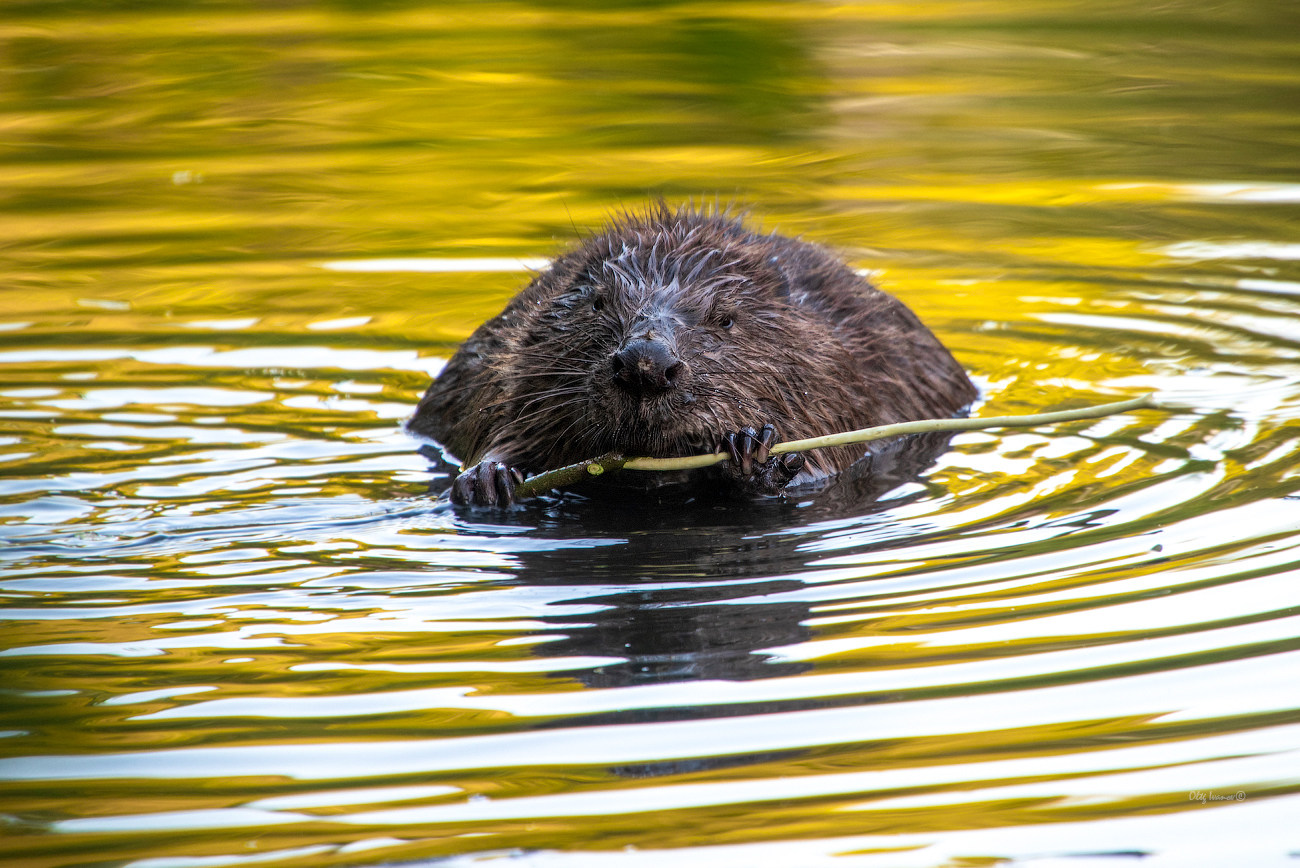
[
  {"x": 708, "y": 577},
  {"x": 697, "y": 590},
  {"x": 684, "y": 634},
  {"x": 699, "y": 580}
]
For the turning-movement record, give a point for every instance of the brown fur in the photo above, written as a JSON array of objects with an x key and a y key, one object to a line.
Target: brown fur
[{"x": 768, "y": 329}]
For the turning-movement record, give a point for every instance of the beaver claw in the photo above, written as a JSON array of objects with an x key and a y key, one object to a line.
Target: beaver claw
[
  {"x": 751, "y": 464},
  {"x": 488, "y": 483}
]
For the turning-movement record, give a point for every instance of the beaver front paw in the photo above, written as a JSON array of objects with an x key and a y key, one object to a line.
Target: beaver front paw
[
  {"x": 488, "y": 483},
  {"x": 752, "y": 467}
]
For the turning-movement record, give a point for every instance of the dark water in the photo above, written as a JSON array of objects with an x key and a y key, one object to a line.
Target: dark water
[{"x": 239, "y": 631}]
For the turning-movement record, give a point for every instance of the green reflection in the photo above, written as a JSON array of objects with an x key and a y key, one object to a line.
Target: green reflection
[{"x": 173, "y": 177}]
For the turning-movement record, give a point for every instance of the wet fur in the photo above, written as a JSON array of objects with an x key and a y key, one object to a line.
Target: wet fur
[{"x": 770, "y": 329}]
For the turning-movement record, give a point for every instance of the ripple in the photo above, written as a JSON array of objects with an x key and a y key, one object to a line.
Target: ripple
[{"x": 239, "y": 629}]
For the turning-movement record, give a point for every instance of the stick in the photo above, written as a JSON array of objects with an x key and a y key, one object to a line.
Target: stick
[{"x": 612, "y": 461}]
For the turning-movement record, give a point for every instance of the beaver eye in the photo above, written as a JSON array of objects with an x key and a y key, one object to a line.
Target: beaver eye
[
  {"x": 597, "y": 304},
  {"x": 728, "y": 323}
]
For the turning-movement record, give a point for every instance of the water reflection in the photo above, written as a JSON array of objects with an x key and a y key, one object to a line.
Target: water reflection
[
  {"x": 675, "y": 619},
  {"x": 693, "y": 610},
  {"x": 237, "y": 629}
]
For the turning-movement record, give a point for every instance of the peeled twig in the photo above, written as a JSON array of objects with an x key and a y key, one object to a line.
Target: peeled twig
[{"x": 612, "y": 461}]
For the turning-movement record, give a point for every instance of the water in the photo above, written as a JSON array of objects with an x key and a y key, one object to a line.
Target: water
[{"x": 240, "y": 632}]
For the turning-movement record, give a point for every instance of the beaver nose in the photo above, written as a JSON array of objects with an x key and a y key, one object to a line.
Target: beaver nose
[{"x": 646, "y": 367}]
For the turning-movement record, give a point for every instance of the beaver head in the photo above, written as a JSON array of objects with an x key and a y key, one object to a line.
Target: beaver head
[{"x": 654, "y": 338}]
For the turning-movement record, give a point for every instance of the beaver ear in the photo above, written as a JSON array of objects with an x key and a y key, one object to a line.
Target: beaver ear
[{"x": 783, "y": 279}]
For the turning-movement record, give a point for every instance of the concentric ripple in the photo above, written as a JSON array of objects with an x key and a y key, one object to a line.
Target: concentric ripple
[{"x": 238, "y": 628}]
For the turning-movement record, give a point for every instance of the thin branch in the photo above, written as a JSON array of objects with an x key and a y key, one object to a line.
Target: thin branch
[{"x": 610, "y": 462}]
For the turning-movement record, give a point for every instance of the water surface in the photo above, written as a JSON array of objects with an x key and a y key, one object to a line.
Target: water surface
[{"x": 240, "y": 239}]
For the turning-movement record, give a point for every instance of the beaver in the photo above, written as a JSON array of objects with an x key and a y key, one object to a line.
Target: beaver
[{"x": 673, "y": 332}]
